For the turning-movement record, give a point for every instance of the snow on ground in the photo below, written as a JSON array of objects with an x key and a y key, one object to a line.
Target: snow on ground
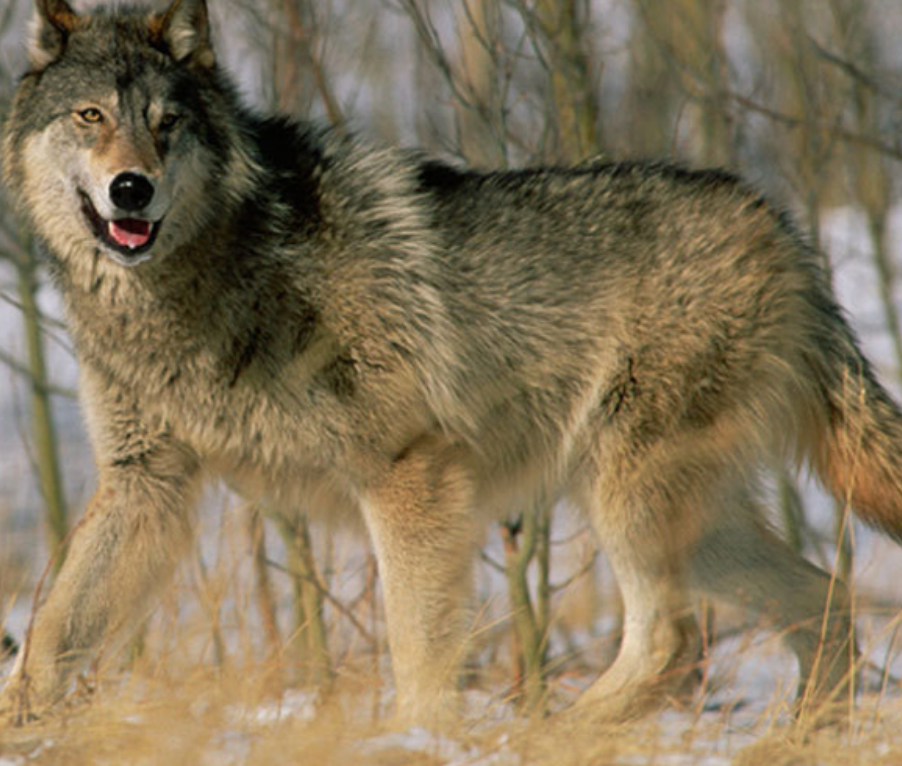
[{"x": 752, "y": 680}]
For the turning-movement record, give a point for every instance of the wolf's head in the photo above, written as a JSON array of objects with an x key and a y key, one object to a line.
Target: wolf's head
[{"x": 122, "y": 138}]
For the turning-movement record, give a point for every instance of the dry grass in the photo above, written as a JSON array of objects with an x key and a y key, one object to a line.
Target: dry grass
[
  {"x": 203, "y": 689},
  {"x": 229, "y": 718}
]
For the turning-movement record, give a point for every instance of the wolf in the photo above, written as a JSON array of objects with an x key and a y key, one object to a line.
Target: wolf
[{"x": 372, "y": 330}]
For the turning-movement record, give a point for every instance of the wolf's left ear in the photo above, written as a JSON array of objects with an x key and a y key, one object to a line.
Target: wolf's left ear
[
  {"x": 51, "y": 26},
  {"x": 183, "y": 31}
]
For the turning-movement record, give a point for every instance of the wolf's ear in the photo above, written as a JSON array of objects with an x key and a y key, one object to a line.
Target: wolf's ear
[
  {"x": 183, "y": 31},
  {"x": 51, "y": 25}
]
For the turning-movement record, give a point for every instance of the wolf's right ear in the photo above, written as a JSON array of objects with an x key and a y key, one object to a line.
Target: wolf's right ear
[
  {"x": 183, "y": 31},
  {"x": 51, "y": 25}
]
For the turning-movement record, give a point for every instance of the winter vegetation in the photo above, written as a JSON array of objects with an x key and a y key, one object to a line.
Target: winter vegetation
[{"x": 270, "y": 647}]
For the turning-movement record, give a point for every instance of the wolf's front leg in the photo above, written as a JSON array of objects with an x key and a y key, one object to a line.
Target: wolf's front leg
[
  {"x": 137, "y": 525},
  {"x": 421, "y": 519}
]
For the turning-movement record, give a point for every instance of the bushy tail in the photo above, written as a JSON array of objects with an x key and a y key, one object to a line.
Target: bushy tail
[{"x": 858, "y": 454}]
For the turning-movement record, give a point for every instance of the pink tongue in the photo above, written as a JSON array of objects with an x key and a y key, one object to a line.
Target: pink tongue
[{"x": 130, "y": 232}]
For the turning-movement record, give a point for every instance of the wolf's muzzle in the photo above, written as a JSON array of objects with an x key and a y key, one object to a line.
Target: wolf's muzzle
[{"x": 130, "y": 236}]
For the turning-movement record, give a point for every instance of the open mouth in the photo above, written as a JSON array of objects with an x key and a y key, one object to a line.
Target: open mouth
[{"x": 130, "y": 238}]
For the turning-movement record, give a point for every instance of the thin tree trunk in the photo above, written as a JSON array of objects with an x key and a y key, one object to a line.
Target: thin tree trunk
[
  {"x": 520, "y": 543},
  {"x": 310, "y": 639},
  {"x": 479, "y": 113},
  {"x": 263, "y": 585},
  {"x": 43, "y": 428},
  {"x": 572, "y": 86}
]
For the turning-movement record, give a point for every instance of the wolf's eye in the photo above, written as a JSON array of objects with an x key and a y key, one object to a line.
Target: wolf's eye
[
  {"x": 168, "y": 120},
  {"x": 91, "y": 115}
]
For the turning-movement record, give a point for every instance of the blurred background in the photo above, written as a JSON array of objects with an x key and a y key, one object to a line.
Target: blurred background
[{"x": 802, "y": 97}]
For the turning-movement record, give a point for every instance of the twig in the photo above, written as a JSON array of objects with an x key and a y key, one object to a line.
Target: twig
[
  {"x": 328, "y": 596},
  {"x": 491, "y": 562},
  {"x": 853, "y": 71},
  {"x": 798, "y": 122},
  {"x": 47, "y": 388},
  {"x": 583, "y": 570}
]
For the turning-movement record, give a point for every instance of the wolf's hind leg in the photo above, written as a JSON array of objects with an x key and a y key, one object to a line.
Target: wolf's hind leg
[
  {"x": 646, "y": 524},
  {"x": 421, "y": 520},
  {"x": 739, "y": 559},
  {"x": 125, "y": 547}
]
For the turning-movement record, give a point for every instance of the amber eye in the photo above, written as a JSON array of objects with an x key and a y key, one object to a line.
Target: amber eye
[
  {"x": 168, "y": 120},
  {"x": 91, "y": 115}
]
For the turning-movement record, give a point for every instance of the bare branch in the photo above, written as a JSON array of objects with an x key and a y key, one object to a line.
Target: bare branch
[
  {"x": 497, "y": 566},
  {"x": 853, "y": 71},
  {"x": 833, "y": 129},
  {"x": 21, "y": 369},
  {"x": 429, "y": 37},
  {"x": 361, "y": 628},
  {"x": 581, "y": 572},
  {"x": 45, "y": 320}
]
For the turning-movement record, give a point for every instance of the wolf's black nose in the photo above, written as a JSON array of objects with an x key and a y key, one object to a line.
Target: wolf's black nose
[{"x": 131, "y": 191}]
